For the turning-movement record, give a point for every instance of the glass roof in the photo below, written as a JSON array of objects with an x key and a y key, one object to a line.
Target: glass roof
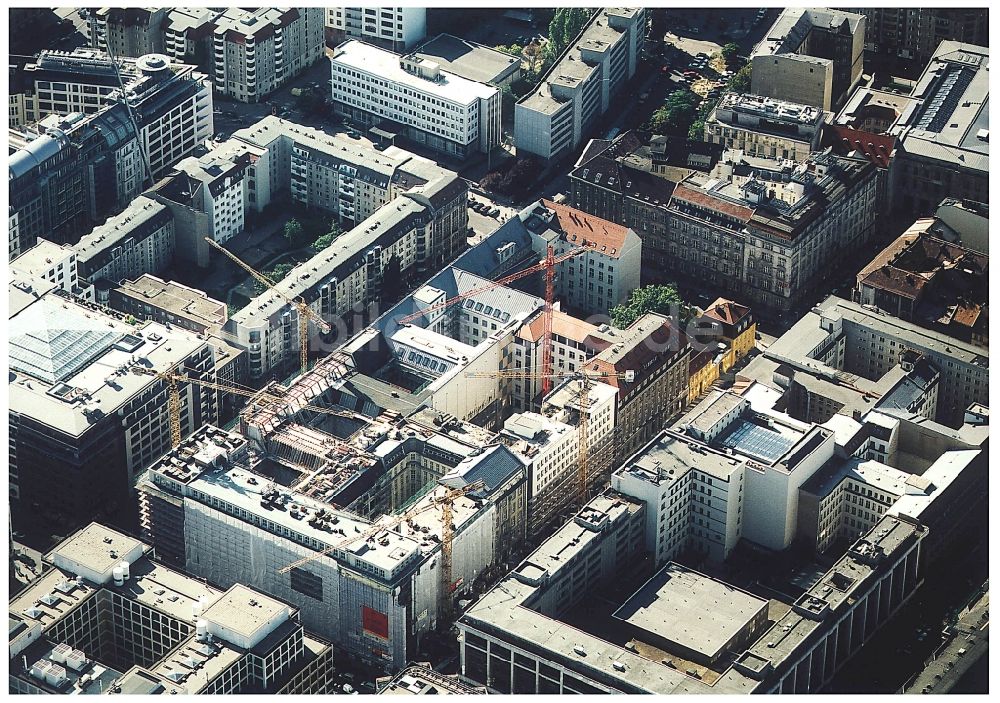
[{"x": 51, "y": 342}]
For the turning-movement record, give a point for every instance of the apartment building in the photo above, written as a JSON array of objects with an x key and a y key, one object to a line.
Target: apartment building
[
  {"x": 127, "y": 31},
  {"x": 658, "y": 352},
  {"x": 936, "y": 283},
  {"x": 108, "y": 618},
  {"x": 83, "y": 424},
  {"x": 188, "y": 35},
  {"x": 943, "y": 141},
  {"x": 526, "y": 635},
  {"x": 560, "y": 113},
  {"x": 598, "y": 279},
  {"x": 415, "y": 98},
  {"x": 916, "y": 32},
  {"x": 761, "y": 126},
  {"x": 257, "y": 51},
  {"x": 213, "y": 503},
  {"x": 171, "y": 101},
  {"x": 67, "y": 174},
  {"x": 49, "y": 262},
  {"x": 810, "y": 56},
  {"x": 138, "y": 240},
  {"x": 393, "y": 28}
]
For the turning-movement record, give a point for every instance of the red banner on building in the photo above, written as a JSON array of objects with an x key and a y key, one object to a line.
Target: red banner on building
[{"x": 374, "y": 622}]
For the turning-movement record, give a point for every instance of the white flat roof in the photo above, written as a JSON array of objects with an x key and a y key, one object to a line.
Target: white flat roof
[{"x": 385, "y": 64}]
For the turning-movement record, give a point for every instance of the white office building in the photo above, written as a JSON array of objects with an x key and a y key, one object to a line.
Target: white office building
[
  {"x": 559, "y": 114},
  {"x": 430, "y": 106},
  {"x": 49, "y": 261}
]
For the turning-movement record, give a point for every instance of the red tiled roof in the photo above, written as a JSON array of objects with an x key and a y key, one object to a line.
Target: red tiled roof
[
  {"x": 589, "y": 231},
  {"x": 706, "y": 200},
  {"x": 877, "y": 147},
  {"x": 726, "y": 311}
]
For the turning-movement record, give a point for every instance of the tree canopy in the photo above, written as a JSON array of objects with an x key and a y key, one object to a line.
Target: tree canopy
[
  {"x": 740, "y": 82},
  {"x": 660, "y": 298},
  {"x": 676, "y": 114}
]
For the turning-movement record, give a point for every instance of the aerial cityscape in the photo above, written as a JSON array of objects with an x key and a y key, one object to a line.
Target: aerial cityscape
[{"x": 371, "y": 350}]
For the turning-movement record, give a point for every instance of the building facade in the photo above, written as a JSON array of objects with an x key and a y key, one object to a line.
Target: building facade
[
  {"x": 83, "y": 423},
  {"x": 915, "y": 33},
  {"x": 393, "y": 28},
  {"x": 138, "y": 240},
  {"x": 255, "y": 52},
  {"x": 765, "y": 127},
  {"x": 108, "y": 618},
  {"x": 558, "y": 115},
  {"x": 810, "y": 56},
  {"x": 436, "y": 108}
]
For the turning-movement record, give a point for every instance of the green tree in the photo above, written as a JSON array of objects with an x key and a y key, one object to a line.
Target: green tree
[
  {"x": 325, "y": 240},
  {"x": 740, "y": 83},
  {"x": 280, "y": 271},
  {"x": 729, "y": 53},
  {"x": 676, "y": 114},
  {"x": 293, "y": 231},
  {"x": 696, "y": 132},
  {"x": 661, "y": 299},
  {"x": 557, "y": 30}
]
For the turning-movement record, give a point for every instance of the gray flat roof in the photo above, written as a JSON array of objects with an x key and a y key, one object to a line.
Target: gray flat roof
[
  {"x": 690, "y": 609},
  {"x": 468, "y": 59}
]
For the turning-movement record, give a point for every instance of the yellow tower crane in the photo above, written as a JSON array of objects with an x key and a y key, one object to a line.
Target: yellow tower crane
[
  {"x": 305, "y": 313},
  {"x": 172, "y": 380}
]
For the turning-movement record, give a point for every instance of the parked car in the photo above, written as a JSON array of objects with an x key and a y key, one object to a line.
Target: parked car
[{"x": 494, "y": 211}]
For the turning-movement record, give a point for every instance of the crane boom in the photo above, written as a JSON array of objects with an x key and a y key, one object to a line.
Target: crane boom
[
  {"x": 305, "y": 313},
  {"x": 541, "y": 266}
]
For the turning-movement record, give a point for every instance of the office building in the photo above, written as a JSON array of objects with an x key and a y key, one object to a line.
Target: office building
[
  {"x": 173, "y": 109},
  {"x": 916, "y": 32},
  {"x": 108, "y": 618},
  {"x": 213, "y": 504},
  {"x": 171, "y": 101},
  {"x": 847, "y": 352},
  {"x": 393, "y": 28},
  {"x": 470, "y": 60},
  {"x": 661, "y": 613},
  {"x": 761, "y": 126},
  {"x": 257, "y": 51},
  {"x": 83, "y": 423},
  {"x": 414, "y": 98},
  {"x": 528, "y": 635},
  {"x": 927, "y": 280},
  {"x": 49, "y": 262},
  {"x": 810, "y": 56},
  {"x": 943, "y": 140},
  {"x": 558, "y": 116},
  {"x": 964, "y": 222},
  {"x": 149, "y": 297},
  {"x": 766, "y": 231},
  {"x": 138, "y": 240},
  {"x": 597, "y": 280},
  {"x": 127, "y": 31},
  {"x": 67, "y": 174}
]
